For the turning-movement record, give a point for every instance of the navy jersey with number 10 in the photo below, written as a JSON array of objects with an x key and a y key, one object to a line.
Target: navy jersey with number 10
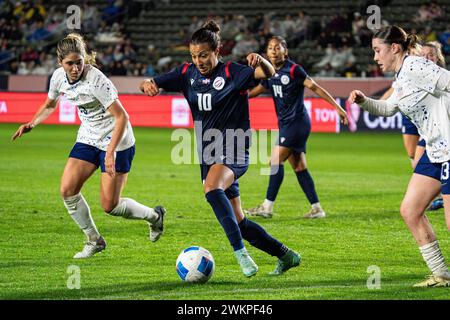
[{"x": 218, "y": 101}]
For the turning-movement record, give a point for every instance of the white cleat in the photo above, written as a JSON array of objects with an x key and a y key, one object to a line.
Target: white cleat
[
  {"x": 91, "y": 248},
  {"x": 157, "y": 228},
  {"x": 433, "y": 281},
  {"x": 315, "y": 213},
  {"x": 259, "y": 211}
]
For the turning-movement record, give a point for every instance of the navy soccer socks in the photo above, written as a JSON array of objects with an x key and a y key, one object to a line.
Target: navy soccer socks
[
  {"x": 225, "y": 214},
  {"x": 307, "y": 184}
]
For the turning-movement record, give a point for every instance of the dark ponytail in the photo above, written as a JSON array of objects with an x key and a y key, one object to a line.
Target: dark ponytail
[
  {"x": 395, "y": 34},
  {"x": 209, "y": 33}
]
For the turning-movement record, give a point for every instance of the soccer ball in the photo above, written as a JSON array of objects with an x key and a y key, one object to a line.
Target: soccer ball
[{"x": 195, "y": 264}]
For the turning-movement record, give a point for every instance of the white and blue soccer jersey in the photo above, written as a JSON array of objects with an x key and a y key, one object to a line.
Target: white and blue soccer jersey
[
  {"x": 417, "y": 96},
  {"x": 92, "y": 95},
  {"x": 219, "y": 106}
]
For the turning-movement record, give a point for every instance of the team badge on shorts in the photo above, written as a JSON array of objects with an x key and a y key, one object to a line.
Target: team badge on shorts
[
  {"x": 219, "y": 83},
  {"x": 284, "y": 79}
]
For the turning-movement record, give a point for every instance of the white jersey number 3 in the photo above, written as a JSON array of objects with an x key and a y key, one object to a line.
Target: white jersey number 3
[
  {"x": 204, "y": 101},
  {"x": 445, "y": 174},
  {"x": 277, "y": 91}
]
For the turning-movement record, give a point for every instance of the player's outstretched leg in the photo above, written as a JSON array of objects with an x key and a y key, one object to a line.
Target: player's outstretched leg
[
  {"x": 258, "y": 237},
  {"x": 131, "y": 209},
  {"x": 224, "y": 214},
  {"x": 421, "y": 190},
  {"x": 76, "y": 172},
  {"x": 265, "y": 209},
  {"x": 113, "y": 204}
]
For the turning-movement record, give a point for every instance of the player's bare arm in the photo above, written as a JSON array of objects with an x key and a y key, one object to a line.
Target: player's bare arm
[
  {"x": 263, "y": 68},
  {"x": 256, "y": 91},
  {"x": 321, "y": 92},
  {"x": 43, "y": 113}
]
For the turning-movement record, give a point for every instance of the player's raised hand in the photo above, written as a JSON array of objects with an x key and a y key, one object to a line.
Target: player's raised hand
[
  {"x": 110, "y": 164},
  {"x": 149, "y": 87},
  {"x": 254, "y": 60},
  {"x": 356, "y": 96},
  {"x": 343, "y": 116},
  {"x": 27, "y": 127}
]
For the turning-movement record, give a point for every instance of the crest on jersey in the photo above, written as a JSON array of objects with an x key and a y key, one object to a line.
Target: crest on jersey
[
  {"x": 284, "y": 79},
  {"x": 219, "y": 83}
]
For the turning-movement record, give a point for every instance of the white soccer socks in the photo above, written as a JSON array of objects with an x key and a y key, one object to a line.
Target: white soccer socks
[
  {"x": 131, "y": 209},
  {"x": 79, "y": 211},
  {"x": 434, "y": 259}
]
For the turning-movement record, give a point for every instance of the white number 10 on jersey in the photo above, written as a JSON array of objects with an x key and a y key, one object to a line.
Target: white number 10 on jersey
[{"x": 204, "y": 101}]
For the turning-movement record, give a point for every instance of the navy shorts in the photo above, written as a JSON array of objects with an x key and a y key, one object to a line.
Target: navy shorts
[
  {"x": 238, "y": 170},
  {"x": 294, "y": 135},
  {"x": 96, "y": 156},
  {"x": 438, "y": 171},
  {"x": 421, "y": 143},
  {"x": 408, "y": 127}
]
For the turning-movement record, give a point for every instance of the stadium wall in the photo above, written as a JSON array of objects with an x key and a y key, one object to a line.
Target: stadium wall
[{"x": 172, "y": 111}]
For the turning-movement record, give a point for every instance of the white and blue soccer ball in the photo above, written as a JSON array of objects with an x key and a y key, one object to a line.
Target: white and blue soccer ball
[{"x": 195, "y": 264}]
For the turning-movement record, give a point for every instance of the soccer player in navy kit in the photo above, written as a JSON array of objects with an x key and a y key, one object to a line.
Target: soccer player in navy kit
[
  {"x": 287, "y": 88},
  {"x": 218, "y": 99}
]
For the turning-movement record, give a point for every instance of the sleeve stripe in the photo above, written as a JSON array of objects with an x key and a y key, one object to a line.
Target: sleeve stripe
[
  {"x": 292, "y": 70},
  {"x": 227, "y": 69},
  {"x": 185, "y": 67}
]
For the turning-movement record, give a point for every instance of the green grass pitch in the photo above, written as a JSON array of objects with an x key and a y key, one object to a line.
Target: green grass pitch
[{"x": 360, "y": 179}]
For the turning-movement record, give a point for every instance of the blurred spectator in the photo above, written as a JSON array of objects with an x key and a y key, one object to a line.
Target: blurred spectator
[
  {"x": 300, "y": 27},
  {"x": 29, "y": 55},
  {"x": 108, "y": 34},
  {"x": 245, "y": 46},
  {"x": 374, "y": 71},
  {"x": 113, "y": 12},
  {"x": 194, "y": 25},
  {"x": 327, "y": 71},
  {"x": 91, "y": 17},
  {"x": 428, "y": 34},
  {"x": 277, "y": 28},
  {"x": 444, "y": 39},
  {"x": 337, "y": 58},
  {"x": 40, "y": 33},
  {"x": 350, "y": 70},
  {"x": 289, "y": 26}
]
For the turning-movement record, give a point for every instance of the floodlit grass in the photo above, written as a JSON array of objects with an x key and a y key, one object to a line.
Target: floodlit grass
[{"x": 360, "y": 179}]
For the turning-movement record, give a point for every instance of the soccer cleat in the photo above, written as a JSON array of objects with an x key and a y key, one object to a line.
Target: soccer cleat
[
  {"x": 436, "y": 205},
  {"x": 91, "y": 248},
  {"x": 433, "y": 281},
  {"x": 290, "y": 260},
  {"x": 259, "y": 211},
  {"x": 248, "y": 266},
  {"x": 157, "y": 228},
  {"x": 315, "y": 213}
]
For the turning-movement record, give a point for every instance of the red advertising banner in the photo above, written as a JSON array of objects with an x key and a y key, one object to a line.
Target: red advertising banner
[{"x": 167, "y": 111}]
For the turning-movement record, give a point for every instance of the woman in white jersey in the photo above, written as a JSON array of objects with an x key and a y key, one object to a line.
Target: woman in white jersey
[
  {"x": 422, "y": 93},
  {"x": 105, "y": 139}
]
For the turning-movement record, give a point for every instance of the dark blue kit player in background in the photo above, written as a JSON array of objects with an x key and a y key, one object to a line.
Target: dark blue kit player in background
[
  {"x": 287, "y": 88},
  {"x": 218, "y": 98}
]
